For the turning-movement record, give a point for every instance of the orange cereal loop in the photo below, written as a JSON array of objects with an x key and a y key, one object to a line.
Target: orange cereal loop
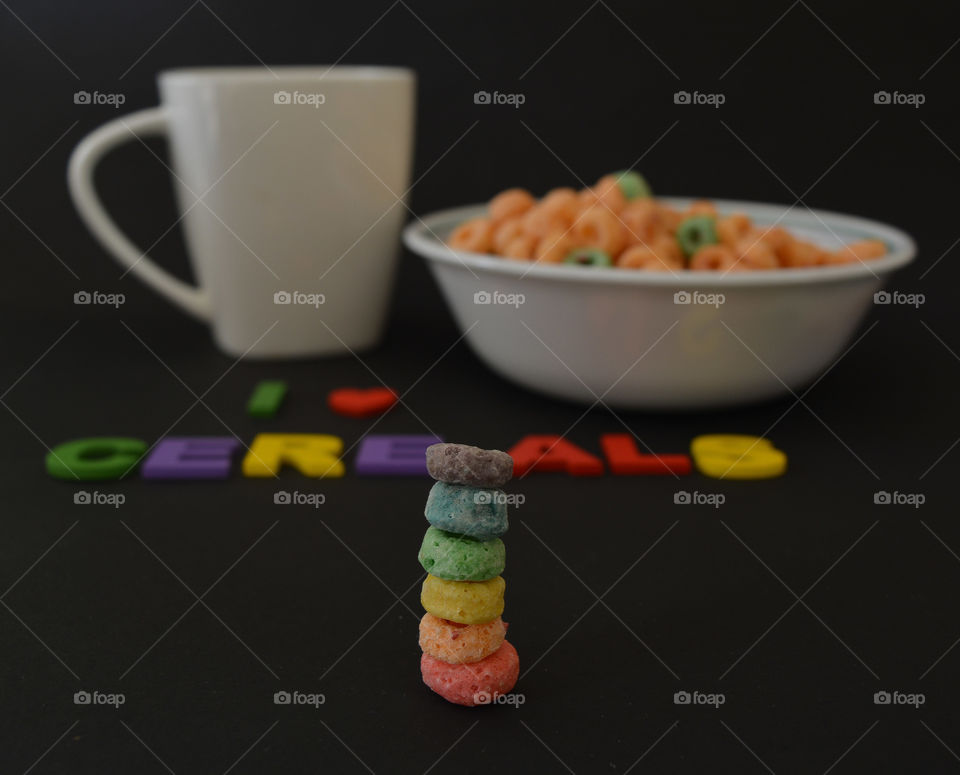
[
  {"x": 732, "y": 228},
  {"x": 554, "y": 247},
  {"x": 506, "y": 232},
  {"x": 640, "y": 257},
  {"x": 586, "y": 199},
  {"x": 599, "y": 228},
  {"x": 642, "y": 220},
  {"x": 460, "y": 643},
  {"x": 862, "y": 250},
  {"x": 473, "y": 235},
  {"x": 668, "y": 250},
  {"x": 755, "y": 254},
  {"x": 609, "y": 193},
  {"x": 714, "y": 258},
  {"x": 538, "y": 222},
  {"x": 775, "y": 236},
  {"x": 509, "y": 203},
  {"x": 798, "y": 253},
  {"x": 701, "y": 207},
  {"x": 520, "y": 247},
  {"x": 562, "y": 202},
  {"x": 669, "y": 217}
]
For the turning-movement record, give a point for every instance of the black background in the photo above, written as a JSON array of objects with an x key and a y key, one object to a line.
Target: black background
[{"x": 313, "y": 605}]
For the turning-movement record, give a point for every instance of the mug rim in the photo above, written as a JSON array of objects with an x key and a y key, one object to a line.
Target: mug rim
[{"x": 266, "y": 74}]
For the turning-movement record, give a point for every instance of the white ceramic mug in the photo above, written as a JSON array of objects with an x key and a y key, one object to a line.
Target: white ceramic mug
[{"x": 288, "y": 182}]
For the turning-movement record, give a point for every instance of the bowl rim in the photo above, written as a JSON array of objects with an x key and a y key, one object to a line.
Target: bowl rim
[
  {"x": 423, "y": 236},
  {"x": 280, "y": 74}
]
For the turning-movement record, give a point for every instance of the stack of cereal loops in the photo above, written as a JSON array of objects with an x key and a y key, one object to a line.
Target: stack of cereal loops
[{"x": 465, "y": 657}]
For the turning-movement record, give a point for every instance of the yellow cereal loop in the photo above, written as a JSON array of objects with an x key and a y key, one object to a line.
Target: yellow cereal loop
[
  {"x": 734, "y": 456},
  {"x": 466, "y": 602},
  {"x": 312, "y": 454}
]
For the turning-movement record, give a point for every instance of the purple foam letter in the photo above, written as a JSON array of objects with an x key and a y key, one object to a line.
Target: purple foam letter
[
  {"x": 190, "y": 457},
  {"x": 401, "y": 455}
]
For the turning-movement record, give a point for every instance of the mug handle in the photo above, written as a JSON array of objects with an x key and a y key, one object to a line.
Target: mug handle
[{"x": 153, "y": 121}]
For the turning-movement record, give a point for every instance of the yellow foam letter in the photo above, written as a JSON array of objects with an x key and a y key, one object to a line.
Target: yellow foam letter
[
  {"x": 728, "y": 456},
  {"x": 312, "y": 454}
]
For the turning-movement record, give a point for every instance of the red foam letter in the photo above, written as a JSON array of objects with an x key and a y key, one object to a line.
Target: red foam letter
[
  {"x": 624, "y": 458},
  {"x": 553, "y": 453}
]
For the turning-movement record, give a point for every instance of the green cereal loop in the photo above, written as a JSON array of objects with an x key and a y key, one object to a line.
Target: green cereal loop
[
  {"x": 696, "y": 232},
  {"x": 457, "y": 557},
  {"x": 633, "y": 185},
  {"x": 588, "y": 257},
  {"x": 97, "y": 458}
]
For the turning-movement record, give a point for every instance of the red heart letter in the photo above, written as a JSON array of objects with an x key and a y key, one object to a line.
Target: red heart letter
[{"x": 353, "y": 402}]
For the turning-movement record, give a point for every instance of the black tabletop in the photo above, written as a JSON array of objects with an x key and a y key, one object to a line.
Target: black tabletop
[{"x": 786, "y": 610}]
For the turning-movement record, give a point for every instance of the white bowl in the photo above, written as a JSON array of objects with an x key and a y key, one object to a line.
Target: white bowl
[{"x": 626, "y": 337}]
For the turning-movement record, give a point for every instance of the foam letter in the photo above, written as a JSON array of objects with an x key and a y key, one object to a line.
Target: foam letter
[
  {"x": 198, "y": 457},
  {"x": 624, "y": 458},
  {"x": 726, "y": 456},
  {"x": 553, "y": 453},
  {"x": 402, "y": 455},
  {"x": 100, "y": 457},
  {"x": 267, "y": 397},
  {"x": 312, "y": 454}
]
